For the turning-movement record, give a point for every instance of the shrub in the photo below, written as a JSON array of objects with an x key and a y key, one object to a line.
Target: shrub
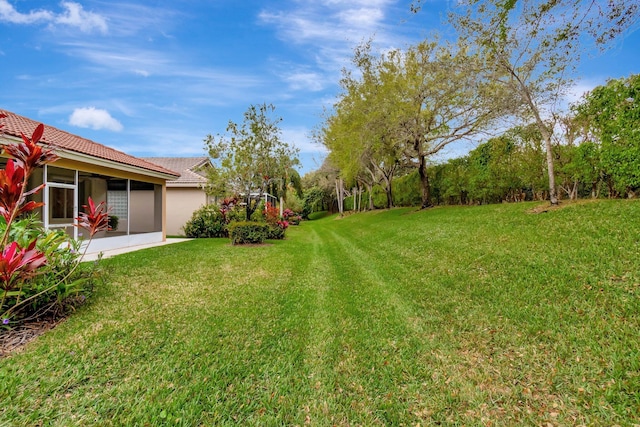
[
  {"x": 313, "y": 201},
  {"x": 275, "y": 233},
  {"x": 244, "y": 232},
  {"x": 291, "y": 217},
  {"x": 207, "y": 221},
  {"x": 271, "y": 214},
  {"x": 293, "y": 201},
  {"x": 113, "y": 222}
]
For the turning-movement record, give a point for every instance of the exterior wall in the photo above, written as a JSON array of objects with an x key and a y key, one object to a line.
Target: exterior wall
[{"x": 181, "y": 203}]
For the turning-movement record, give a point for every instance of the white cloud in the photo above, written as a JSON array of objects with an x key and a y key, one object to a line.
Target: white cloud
[
  {"x": 9, "y": 14},
  {"x": 76, "y": 16},
  {"x": 300, "y": 137},
  {"x": 94, "y": 118},
  {"x": 143, "y": 73},
  {"x": 329, "y": 22},
  {"x": 305, "y": 81},
  {"x": 366, "y": 17},
  {"x": 73, "y": 16},
  {"x": 581, "y": 87},
  {"x": 327, "y": 32}
]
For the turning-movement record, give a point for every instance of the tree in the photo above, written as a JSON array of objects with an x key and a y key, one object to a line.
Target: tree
[
  {"x": 362, "y": 135},
  {"x": 407, "y": 106},
  {"x": 251, "y": 157},
  {"x": 610, "y": 116},
  {"x": 447, "y": 99},
  {"x": 535, "y": 46},
  {"x": 320, "y": 181}
]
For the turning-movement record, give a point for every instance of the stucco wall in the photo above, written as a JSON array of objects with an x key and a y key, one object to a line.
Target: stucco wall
[{"x": 181, "y": 203}]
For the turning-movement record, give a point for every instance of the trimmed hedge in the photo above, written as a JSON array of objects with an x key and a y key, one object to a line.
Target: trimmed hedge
[
  {"x": 276, "y": 233},
  {"x": 244, "y": 232}
]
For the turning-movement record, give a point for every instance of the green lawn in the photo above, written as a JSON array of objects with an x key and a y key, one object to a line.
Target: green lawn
[{"x": 478, "y": 316}]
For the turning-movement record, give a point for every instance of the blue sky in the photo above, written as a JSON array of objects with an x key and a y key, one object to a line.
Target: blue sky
[{"x": 154, "y": 78}]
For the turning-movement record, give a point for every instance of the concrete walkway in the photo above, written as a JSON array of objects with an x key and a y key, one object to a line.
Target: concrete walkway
[{"x": 108, "y": 254}]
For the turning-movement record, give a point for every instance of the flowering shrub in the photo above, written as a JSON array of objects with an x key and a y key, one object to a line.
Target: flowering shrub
[
  {"x": 32, "y": 260},
  {"x": 277, "y": 225},
  {"x": 292, "y": 217}
]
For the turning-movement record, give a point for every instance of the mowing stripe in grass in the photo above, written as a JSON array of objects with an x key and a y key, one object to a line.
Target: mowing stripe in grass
[{"x": 445, "y": 316}]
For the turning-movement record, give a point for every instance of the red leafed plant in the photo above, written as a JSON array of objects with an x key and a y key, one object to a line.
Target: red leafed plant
[
  {"x": 271, "y": 214},
  {"x": 27, "y": 156},
  {"x": 95, "y": 218},
  {"x": 19, "y": 264},
  {"x": 16, "y": 264},
  {"x": 227, "y": 205}
]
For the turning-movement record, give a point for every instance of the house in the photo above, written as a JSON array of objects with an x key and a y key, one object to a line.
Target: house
[
  {"x": 134, "y": 189},
  {"x": 185, "y": 194}
]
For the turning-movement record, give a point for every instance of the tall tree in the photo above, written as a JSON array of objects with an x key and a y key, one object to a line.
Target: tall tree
[
  {"x": 361, "y": 135},
  {"x": 406, "y": 106},
  {"x": 251, "y": 156},
  {"x": 444, "y": 98},
  {"x": 537, "y": 44}
]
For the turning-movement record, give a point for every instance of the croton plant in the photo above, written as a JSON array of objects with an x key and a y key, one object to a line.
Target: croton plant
[{"x": 20, "y": 264}]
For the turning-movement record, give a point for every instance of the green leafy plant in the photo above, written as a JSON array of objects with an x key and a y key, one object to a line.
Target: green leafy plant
[
  {"x": 212, "y": 221},
  {"x": 113, "y": 222},
  {"x": 35, "y": 265},
  {"x": 248, "y": 232}
]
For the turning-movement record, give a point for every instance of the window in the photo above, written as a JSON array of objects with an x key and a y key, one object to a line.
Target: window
[
  {"x": 60, "y": 175},
  {"x": 61, "y": 201},
  {"x": 117, "y": 202}
]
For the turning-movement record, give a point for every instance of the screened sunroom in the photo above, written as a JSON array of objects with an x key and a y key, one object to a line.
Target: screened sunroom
[{"x": 134, "y": 190}]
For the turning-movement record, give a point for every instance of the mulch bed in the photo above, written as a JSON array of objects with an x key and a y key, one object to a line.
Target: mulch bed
[{"x": 13, "y": 340}]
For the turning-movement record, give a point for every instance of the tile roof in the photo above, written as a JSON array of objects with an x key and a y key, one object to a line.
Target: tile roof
[
  {"x": 15, "y": 124},
  {"x": 190, "y": 168}
]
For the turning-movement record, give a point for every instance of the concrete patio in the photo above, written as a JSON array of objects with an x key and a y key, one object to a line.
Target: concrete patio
[{"x": 110, "y": 253}]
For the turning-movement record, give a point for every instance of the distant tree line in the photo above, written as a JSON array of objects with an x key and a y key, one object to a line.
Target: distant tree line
[
  {"x": 502, "y": 81},
  {"x": 596, "y": 154}
]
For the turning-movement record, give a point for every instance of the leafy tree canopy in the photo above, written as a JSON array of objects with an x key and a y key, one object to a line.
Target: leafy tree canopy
[{"x": 250, "y": 157}]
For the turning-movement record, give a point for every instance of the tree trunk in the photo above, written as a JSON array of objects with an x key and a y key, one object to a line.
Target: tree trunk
[
  {"x": 354, "y": 192},
  {"x": 248, "y": 209},
  {"x": 553, "y": 197},
  {"x": 339, "y": 196},
  {"x": 370, "y": 191},
  {"x": 389, "y": 194},
  {"x": 544, "y": 130},
  {"x": 424, "y": 183}
]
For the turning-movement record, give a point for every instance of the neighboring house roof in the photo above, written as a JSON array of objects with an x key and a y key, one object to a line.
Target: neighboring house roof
[
  {"x": 192, "y": 169},
  {"x": 15, "y": 124}
]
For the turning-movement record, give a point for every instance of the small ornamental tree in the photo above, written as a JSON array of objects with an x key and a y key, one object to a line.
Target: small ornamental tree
[
  {"x": 250, "y": 158},
  {"x": 20, "y": 264}
]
